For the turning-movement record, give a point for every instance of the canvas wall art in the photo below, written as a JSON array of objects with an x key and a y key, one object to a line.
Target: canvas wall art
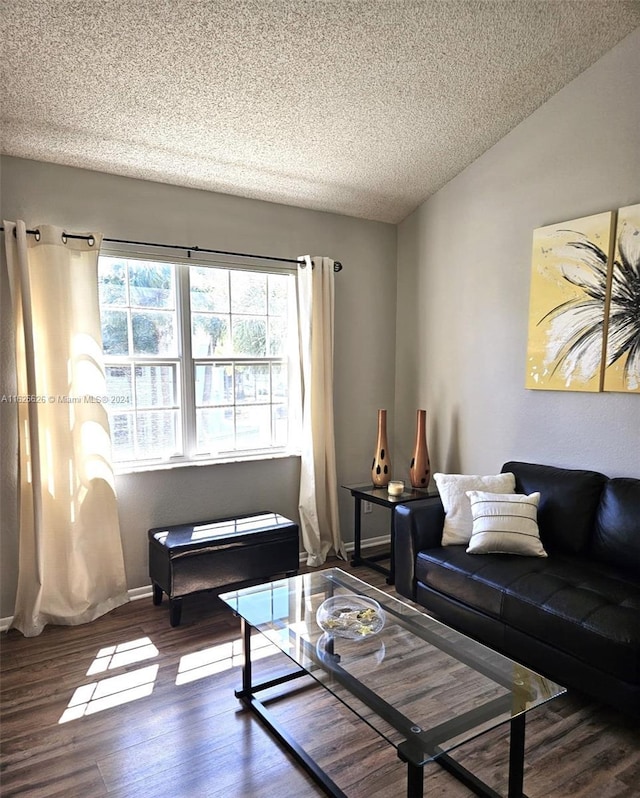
[
  {"x": 622, "y": 372},
  {"x": 568, "y": 303}
]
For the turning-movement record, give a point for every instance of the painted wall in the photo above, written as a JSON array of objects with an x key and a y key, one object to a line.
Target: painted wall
[
  {"x": 365, "y": 311},
  {"x": 464, "y": 260}
]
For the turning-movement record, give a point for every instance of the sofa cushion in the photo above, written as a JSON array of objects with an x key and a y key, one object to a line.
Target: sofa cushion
[
  {"x": 568, "y": 502},
  {"x": 583, "y": 609},
  {"x": 617, "y": 532},
  {"x": 575, "y": 605},
  {"x": 505, "y": 523},
  {"x": 476, "y": 581}
]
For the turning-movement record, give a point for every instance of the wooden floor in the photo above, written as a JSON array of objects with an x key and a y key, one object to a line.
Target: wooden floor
[{"x": 129, "y": 707}]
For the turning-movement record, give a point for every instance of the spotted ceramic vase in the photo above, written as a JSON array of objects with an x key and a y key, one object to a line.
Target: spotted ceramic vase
[
  {"x": 381, "y": 466},
  {"x": 420, "y": 468}
]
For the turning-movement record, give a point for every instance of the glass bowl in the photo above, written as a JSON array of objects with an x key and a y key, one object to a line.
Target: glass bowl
[{"x": 354, "y": 617}]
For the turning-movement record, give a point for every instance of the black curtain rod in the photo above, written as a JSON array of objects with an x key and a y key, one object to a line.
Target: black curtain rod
[{"x": 337, "y": 266}]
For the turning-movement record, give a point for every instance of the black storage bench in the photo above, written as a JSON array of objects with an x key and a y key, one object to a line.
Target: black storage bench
[{"x": 187, "y": 558}]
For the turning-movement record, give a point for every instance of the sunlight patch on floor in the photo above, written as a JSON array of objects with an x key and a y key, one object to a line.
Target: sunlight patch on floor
[
  {"x": 220, "y": 658},
  {"x": 115, "y": 690},
  {"x": 111, "y": 692},
  {"x": 123, "y": 654}
]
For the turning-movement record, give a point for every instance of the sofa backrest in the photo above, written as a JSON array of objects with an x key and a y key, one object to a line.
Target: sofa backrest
[
  {"x": 617, "y": 532},
  {"x": 569, "y": 500}
]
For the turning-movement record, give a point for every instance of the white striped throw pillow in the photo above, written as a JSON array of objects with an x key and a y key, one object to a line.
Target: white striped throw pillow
[{"x": 505, "y": 523}]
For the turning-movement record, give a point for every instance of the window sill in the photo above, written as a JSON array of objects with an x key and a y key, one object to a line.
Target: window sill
[{"x": 133, "y": 468}]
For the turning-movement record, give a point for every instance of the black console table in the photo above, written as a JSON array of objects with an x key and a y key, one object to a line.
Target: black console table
[{"x": 380, "y": 496}]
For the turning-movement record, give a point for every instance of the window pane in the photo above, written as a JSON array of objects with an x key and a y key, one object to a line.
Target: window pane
[
  {"x": 277, "y": 336},
  {"x": 248, "y": 292},
  {"x": 115, "y": 338},
  {"x": 280, "y": 425},
  {"x": 209, "y": 335},
  {"x": 156, "y": 434},
  {"x": 279, "y": 382},
  {"x": 112, "y": 282},
  {"x": 214, "y": 384},
  {"x": 119, "y": 387},
  {"x": 154, "y": 333},
  {"x": 215, "y": 431},
  {"x": 209, "y": 289},
  {"x": 151, "y": 284},
  {"x": 122, "y": 436},
  {"x": 253, "y": 427},
  {"x": 249, "y": 336},
  {"x": 252, "y": 383},
  {"x": 278, "y": 294},
  {"x": 156, "y": 386}
]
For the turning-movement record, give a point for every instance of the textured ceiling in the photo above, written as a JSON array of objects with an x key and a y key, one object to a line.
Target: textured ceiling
[{"x": 360, "y": 107}]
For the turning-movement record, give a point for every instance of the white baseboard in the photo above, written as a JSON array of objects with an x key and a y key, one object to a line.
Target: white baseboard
[
  {"x": 146, "y": 591},
  {"x": 140, "y": 592}
]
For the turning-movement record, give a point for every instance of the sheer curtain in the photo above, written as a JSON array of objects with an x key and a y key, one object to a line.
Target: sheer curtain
[
  {"x": 318, "y": 502},
  {"x": 71, "y": 565}
]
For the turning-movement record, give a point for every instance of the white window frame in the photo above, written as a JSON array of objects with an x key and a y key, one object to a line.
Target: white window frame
[{"x": 186, "y": 364}]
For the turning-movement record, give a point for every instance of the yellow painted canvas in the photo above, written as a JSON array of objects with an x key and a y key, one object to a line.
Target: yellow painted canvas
[
  {"x": 569, "y": 275},
  {"x": 622, "y": 371}
]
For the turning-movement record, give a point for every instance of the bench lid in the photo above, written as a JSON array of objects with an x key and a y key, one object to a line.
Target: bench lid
[{"x": 199, "y": 534}]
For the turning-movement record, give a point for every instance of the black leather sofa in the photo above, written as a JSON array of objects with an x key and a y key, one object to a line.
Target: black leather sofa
[{"x": 573, "y": 616}]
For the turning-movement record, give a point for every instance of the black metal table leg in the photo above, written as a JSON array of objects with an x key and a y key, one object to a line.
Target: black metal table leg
[
  {"x": 357, "y": 532},
  {"x": 356, "y": 557},
  {"x": 245, "y": 629},
  {"x": 516, "y": 756},
  {"x": 415, "y": 780},
  {"x": 392, "y": 554}
]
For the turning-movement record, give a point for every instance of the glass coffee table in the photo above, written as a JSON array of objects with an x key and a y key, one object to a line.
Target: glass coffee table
[{"x": 423, "y": 687}]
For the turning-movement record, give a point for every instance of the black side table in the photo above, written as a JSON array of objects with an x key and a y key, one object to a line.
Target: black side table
[{"x": 380, "y": 496}]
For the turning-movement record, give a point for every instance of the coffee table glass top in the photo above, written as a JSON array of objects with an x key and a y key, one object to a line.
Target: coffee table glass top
[{"x": 420, "y": 684}]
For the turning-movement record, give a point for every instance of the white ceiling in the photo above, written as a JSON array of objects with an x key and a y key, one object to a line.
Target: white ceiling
[{"x": 361, "y": 107}]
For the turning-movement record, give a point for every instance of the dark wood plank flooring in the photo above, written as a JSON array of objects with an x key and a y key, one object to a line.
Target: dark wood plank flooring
[{"x": 163, "y": 720}]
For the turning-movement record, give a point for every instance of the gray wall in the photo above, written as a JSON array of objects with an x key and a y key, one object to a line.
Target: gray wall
[
  {"x": 464, "y": 260},
  {"x": 365, "y": 313}
]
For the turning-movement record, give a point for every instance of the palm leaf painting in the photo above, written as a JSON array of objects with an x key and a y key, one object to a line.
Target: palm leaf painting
[
  {"x": 622, "y": 371},
  {"x": 569, "y": 282}
]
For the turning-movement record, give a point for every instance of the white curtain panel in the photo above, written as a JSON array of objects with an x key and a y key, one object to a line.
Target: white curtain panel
[
  {"x": 318, "y": 502},
  {"x": 71, "y": 564}
]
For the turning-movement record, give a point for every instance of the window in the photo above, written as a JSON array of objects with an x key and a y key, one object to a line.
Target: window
[{"x": 197, "y": 360}]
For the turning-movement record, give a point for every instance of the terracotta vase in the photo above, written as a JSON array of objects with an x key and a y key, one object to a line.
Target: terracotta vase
[
  {"x": 420, "y": 469},
  {"x": 381, "y": 466}
]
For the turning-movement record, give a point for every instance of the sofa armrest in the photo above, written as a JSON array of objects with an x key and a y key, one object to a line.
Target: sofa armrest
[{"x": 418, "y": 526}]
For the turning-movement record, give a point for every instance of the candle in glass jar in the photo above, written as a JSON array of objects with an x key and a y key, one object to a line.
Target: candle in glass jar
[{"x": 395, "y": 487}]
